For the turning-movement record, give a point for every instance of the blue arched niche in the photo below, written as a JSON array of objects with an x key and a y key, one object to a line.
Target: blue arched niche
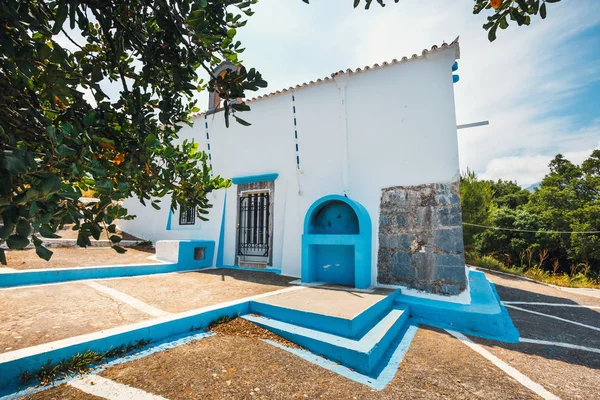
[{"x": 336, "y": 244}]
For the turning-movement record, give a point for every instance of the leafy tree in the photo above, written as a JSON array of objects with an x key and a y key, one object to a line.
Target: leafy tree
[
  {"x": 55, "y": 141},
  {"x": 508, "y": 245},
  {"x": 519, "y": 11},
  {"x": 567, "y": 201},
  {"x": 509, "y": 194},
  {"x": 476, "y": 201}
]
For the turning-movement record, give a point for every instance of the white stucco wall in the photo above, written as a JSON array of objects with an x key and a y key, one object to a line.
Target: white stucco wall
[{"x": 357, "y": 134}]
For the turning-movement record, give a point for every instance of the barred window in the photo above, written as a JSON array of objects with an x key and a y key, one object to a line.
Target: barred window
[{"x": 187, "y": 216}]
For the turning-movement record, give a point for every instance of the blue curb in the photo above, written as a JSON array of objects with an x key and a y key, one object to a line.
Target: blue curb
[
  {"x": 149, "y": 330},
  {"x": 141, "y": 353},
  {"x": 485, "y": 316},
  {"x": 39, "y": 277},
  {"x": 394, "y": 357},
  {"x": 271, "y": 270}
]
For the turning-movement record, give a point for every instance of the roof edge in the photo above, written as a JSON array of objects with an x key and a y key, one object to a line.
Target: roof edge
[{"x": 444, "y": 46}]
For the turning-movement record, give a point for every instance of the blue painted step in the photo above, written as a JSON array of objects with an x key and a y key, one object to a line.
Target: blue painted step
[
  {"x": 349, "y": 328},
  {"x": 362, "y": 355}
]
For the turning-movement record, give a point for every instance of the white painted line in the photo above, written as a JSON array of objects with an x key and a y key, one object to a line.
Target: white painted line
[
  {"x": 533, "y": 303},
  {"x": 554, "y": 317},
  {"x": 127, "y": 299},
  {"x": 107, "y": 389},
  {"x": 75, "y": 340},
  {"x": 510, "y": 371},
  {"x": 560, "y": 344}
]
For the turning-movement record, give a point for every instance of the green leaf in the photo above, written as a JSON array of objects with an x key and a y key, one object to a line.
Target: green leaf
[
  {"x": 543, "y": 11},
  {"x": 60, "y": 17},
  {"x": 47, "y": 232},
  {"x": 119, "y": 249},
  {"x": 17, "y": 242},
  {"x": 115, "y": 238},
  {"x": 241, "y": 121},
  {"x": 23, "y": 228},
  {"x": 492, "y": 33},
  {"x": 43, "y": 252},
  {"x": 6, "y": 229}
]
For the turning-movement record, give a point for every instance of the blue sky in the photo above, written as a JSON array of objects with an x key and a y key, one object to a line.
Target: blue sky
[{"x": 539, "y": 86}]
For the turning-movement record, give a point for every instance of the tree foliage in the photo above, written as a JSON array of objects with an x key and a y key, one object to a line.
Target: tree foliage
[
  {"x": 567, "y": 200},
  {"x": 61, "y": 133},
  {"x": 519, "y": 11}
]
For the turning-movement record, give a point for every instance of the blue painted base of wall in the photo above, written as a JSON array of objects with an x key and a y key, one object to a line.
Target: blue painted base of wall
[
  {"x": 271, "y": 270},
  {"x": 186, "y": 262},
  {"x": 485, "y": 317},
  {"x": 38, "y": 277}
]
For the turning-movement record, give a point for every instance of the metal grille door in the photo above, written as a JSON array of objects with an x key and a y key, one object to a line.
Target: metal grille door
[{"x": 253, "y": 225}]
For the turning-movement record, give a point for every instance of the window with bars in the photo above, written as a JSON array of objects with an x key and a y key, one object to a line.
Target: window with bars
[{"x": 187, "y": 216}]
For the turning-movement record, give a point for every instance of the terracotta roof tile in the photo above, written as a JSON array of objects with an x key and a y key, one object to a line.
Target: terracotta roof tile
[{"x": 355, "y": 71}]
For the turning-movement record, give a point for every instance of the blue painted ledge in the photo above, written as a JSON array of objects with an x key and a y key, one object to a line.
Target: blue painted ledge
[
  {"x": 271, "y": 270},
  {"x": 485, "y": 317},
  {"x": 254, "y": 178},
  {"x": 12, "y": 364},
  {"x": 43, "y": 276}
]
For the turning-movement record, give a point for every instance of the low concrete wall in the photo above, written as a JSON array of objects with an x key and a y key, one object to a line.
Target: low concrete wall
[{"x": 421, "y": 239}]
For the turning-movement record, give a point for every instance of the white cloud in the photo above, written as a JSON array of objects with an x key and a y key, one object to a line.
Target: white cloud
[
  {"x": 518, "y": 82},
  {"x": 528, "y": 169}
]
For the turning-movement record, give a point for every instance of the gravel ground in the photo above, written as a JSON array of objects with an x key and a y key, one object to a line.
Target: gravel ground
[
  {"x": 244, "y": 328},
  {"x": 236, "y": 364},
  {"x": 77, "y": 257}
]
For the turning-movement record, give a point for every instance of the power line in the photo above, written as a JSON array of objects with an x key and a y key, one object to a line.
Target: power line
[{"x": 528, "y": 231}]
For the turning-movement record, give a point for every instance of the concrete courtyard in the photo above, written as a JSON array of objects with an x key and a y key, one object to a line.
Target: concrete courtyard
[{"x": 559, "y": 354}]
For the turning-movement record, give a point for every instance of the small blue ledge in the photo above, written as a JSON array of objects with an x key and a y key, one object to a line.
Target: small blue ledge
[
  {"x": 276, "y": 271},
  {"x": 485, "y": 317},
  {"x": 240, "y": 180}
]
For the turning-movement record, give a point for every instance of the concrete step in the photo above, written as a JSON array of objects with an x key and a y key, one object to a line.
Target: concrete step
[
  {"x": 362, "y": 355},
  {"x": 354, "y": 327}
]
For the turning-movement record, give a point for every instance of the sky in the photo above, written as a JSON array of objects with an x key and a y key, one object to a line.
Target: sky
[{"x": 539, "y": 86}]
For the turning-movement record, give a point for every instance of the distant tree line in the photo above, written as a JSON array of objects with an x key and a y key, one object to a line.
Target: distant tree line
[{"x": 567, "y": 200}]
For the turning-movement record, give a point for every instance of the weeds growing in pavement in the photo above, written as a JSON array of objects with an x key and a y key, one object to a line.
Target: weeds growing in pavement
[{"x": 78, "y": 364}]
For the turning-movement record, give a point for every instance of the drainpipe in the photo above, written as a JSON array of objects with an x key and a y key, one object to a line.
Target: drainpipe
[{"x": 341, "y": 82}]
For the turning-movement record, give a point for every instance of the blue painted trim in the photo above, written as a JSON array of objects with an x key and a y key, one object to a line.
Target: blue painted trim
[
  {"x": 455, "y": 78},
  {"x": 169, "y": 220},
  {"x": 395, "y": 356},
  {"x": 455, "y": 66},
  {"x": 146, "y": 351},
  {"x": 363, "y": 354},
  {"x": 221, "y": 247},
  {"x": 345, "y": 327},
  {"x": 185, "y": 262},
  {"x": 254, "y": 178},
  {"x": 271, "y": 270},
  {"x": 485, "y": 317},
  {"x": 361, "y": 242},
  {"x": 152, "y": 330},
  {"x": 37, "y": 277}
]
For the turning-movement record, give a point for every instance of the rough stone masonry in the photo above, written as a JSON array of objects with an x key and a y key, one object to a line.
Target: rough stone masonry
[{"x": 421, "y": 238}]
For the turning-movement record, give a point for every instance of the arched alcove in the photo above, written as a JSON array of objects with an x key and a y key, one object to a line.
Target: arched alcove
[
  {"x": 336, "y": 244},
  {"x": 334, "y": 217}
]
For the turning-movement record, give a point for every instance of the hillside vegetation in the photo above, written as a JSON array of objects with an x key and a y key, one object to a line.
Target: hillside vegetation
[{"x": 550, "y": 234}]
